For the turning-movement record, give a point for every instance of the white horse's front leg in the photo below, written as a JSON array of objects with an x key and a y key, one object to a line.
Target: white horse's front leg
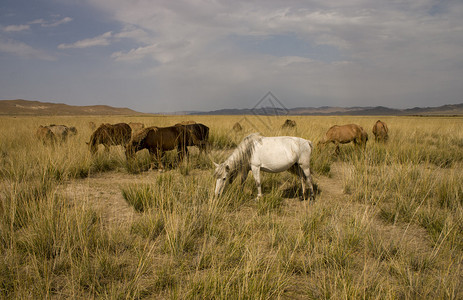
[{"x": 256, "y": 174}]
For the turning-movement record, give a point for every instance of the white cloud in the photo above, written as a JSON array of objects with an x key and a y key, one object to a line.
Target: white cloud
[
  {"x": 15, "y": 28},
  {"x": 23, "y": 50},
  {"x": 41, "y": 22},
  {"x": 163, "y": 53},
  {"x": 101, "y": 40},
  {"x": 45, "y": 23},
  {"x": 135, "y": 33},
  {"x": 38, "y": 21},
  {"x": 135, "y": 54},
  {"x": 386, "y": 50},
  {"x": 56, "y": 23},
  {"x": 381, "y": 50}
]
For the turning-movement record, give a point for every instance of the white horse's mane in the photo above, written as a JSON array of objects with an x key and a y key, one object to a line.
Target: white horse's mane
[{"x": 241, "y": 155}]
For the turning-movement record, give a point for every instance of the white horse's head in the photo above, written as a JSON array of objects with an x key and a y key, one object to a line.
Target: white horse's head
[{"x": 222, "y": 174}]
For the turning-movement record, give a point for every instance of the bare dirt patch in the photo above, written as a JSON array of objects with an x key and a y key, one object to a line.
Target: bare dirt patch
[{"x": 103, "y": 191}]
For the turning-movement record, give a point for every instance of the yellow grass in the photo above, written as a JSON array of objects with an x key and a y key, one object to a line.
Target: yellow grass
[{"x": 387, "y": 222}]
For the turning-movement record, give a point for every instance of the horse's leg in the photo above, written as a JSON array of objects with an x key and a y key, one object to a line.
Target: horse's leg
[
  {"x": 202, "y": 148},
  {"x": 206, "y": 147},
  {"x": 302, "y": 177},
  {"x": 159, "y": 156},
  {"x": 153, "y": 157},
  {"x": 256, "y": 174},
  {"x": 307, "y": 180},
  {"x": 297, "y": 170},
  {"x": 336, "y": 152},
  {"x": 185, "y": 153},
  {"x": 182, "y": 151}
]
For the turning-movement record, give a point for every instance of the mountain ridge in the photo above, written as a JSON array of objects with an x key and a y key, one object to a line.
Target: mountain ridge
[
  {"x": 447, "y": 109},
  {"x": 28, "y": 107}
]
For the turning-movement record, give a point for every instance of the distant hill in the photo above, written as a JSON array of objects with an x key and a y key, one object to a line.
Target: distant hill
[
  {"x": 36, "y": 108},
  {"x": 25, "y": 107},
  {"x": 445, "y": 110}
]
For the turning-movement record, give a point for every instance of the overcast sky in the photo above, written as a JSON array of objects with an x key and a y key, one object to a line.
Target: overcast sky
[{"x": 160, "y": 56}]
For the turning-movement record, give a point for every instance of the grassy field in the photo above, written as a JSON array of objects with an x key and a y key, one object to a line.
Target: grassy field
[{"x": 387, "y": 222}]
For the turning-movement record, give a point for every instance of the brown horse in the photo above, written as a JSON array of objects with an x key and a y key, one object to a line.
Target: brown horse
[
  {"x": 45, "y": 135},
  {"x": 198, "y": 135},
  {"x": 188, "y": 122},
  {"x": 55, "y": 133},
  {"x": 136, "y": 126},
  {"x": 380, "y": 131},
  {"x": 345, "y": 134},
  {"x": 62, "y": 132},
  {"x": 91, "y": 125},
  {"x": 110, "y": 135},
  {"x": 289, "y": 124},
  {"x": 237, "y": 127},
  {"x": 160, "y": 139}
]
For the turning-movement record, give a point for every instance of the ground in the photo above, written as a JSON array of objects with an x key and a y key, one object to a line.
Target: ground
[{"x": 103, "y": 191}]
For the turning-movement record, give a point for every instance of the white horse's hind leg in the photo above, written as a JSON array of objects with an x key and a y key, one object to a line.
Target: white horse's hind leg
[
  {"x": 297, "y": 169},
  {"x": 308, "y": 181},
  {"x": 256, "y": 174},
  {"x": 303, "y": 182}
]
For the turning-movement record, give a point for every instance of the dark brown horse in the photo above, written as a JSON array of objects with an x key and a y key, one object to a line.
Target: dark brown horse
[
  {"x": 289, "y": 124},
  {"x": 198, "y": 135},
  {"x": 110, "y": 135},
  {"x": 160, "y": 139}
]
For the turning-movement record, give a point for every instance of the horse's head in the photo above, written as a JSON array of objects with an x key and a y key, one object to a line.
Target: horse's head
[
  {"x": 222, "y": 173},
  {"x": 92, "y": 145},
  {"x": 73, "y": 130}
]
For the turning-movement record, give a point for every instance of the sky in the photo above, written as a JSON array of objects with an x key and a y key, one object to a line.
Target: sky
[{"x": 202, "y": 55}]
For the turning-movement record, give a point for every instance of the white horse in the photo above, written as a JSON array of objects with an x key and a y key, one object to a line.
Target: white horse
[{"x": 269, "y": 154}]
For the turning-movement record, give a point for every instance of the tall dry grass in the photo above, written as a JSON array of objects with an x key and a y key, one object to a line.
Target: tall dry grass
[{"x": 395, "y": 231}]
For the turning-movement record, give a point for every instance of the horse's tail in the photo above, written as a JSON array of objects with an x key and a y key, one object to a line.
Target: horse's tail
[{"x": 311, "y": 145}]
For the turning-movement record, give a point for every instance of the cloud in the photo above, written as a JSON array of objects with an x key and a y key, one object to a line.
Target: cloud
[
  {"x": 41, "y": 22},
  {"x": 134, "y": 33},
  {"x": 45, "y": 23},
  {"x": 15, "y": 28},
  {"x": 101, "y": 40},
  {"x": 38, "y": 21},
  {"x": 355, "y": 51},
  {"x": 362, "y": 30},
  {"x": 23, "y": 50},
  {"x": 163, "y": 53},
  {"x": 57, "y": 23}
]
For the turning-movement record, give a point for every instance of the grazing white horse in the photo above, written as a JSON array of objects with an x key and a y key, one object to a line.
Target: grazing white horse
[{"x": 269, "y": 154}]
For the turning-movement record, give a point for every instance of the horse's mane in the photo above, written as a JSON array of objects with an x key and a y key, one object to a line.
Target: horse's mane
[{"x": 241, "y": 155}]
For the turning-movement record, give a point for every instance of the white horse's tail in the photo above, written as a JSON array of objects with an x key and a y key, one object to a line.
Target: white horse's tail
[{"x": 311, "y": 145}]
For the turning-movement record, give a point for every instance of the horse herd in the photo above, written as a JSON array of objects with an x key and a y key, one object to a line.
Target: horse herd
[{"x": 255, "y": 153}]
